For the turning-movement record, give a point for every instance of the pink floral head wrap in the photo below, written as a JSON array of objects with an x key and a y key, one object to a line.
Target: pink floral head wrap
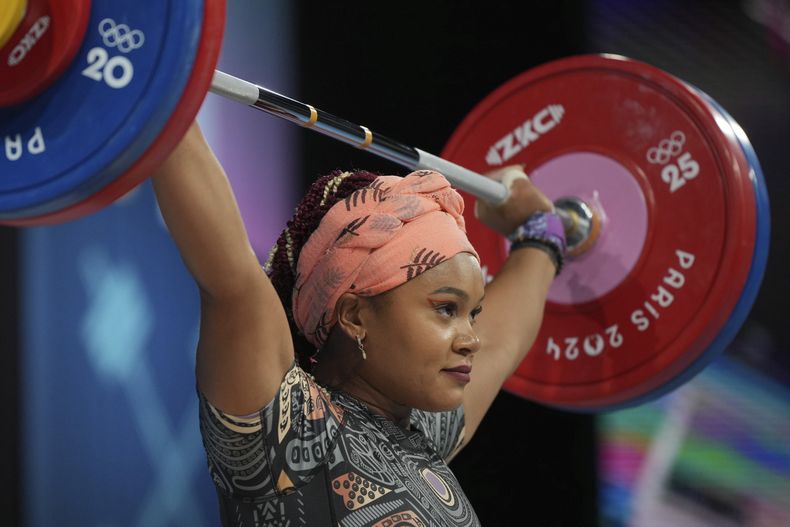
[{"x": 376, "y": 239}]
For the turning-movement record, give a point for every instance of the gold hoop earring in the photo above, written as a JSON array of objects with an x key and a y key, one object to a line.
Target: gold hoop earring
[{"x": 361, "y": 348}]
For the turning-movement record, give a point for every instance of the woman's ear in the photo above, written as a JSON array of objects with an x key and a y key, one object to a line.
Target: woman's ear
[{"x": 350, "y": 314}]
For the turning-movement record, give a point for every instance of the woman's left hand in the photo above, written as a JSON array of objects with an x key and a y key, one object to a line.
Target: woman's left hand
[{"x": 525, "y": 199}]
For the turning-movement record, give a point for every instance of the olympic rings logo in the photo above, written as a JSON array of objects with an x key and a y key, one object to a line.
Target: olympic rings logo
[
  {"x": 667, "y": 149},
  {"x": 120, "y": 35}
]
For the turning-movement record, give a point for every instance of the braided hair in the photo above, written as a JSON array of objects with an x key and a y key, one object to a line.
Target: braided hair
[{"x": 284, "y": 255}]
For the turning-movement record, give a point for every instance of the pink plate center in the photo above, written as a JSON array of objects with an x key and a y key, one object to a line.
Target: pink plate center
[{"x": 611, "y": 189}]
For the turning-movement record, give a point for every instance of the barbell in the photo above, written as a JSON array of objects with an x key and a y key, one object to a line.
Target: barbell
[{"x": 659, "y": 189}]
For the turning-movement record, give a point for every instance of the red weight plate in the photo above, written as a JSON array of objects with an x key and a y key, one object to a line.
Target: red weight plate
[
  {"x": 678, "y": 227},
  {"x": 183, "y": 115},
  {"x": 42, "y": 47}
]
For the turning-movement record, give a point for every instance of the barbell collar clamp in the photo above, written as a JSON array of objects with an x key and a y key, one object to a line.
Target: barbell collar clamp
[{"x": 581, "y": 222}]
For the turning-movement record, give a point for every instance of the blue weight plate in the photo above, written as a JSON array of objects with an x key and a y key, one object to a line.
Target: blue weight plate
[
  {"x": 754, "y": 279},
  {"x": 104, "y": 112}
]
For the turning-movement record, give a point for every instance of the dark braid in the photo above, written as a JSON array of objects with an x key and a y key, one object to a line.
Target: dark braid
[{"x": 281, "y": 268}]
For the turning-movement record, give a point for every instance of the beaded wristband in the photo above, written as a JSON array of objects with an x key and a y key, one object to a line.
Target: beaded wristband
[{"x": 542, "y": 230}]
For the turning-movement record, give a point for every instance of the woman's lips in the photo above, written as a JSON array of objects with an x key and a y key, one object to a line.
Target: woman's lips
[{"x": 460, "y": 373}]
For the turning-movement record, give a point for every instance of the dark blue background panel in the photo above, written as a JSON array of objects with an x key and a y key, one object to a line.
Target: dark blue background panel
[{"x": 110, "y": 412}]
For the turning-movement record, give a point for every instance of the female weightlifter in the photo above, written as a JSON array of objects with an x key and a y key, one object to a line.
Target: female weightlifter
[{"x": 338, "y": 381}]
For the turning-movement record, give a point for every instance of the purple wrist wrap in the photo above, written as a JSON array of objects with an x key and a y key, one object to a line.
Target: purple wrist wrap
[{"x": 543, "y": 230}]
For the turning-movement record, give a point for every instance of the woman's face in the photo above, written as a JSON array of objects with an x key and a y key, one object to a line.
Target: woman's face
[{"x": 421, "y": 337}]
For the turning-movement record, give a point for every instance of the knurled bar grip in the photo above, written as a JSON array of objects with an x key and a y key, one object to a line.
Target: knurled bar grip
[{"x": 359, "y": 136}]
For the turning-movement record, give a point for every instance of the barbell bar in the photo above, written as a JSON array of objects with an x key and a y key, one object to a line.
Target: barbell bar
[
  {"x": 579, "y": 219},
  {"x": 356, "y": 135}
]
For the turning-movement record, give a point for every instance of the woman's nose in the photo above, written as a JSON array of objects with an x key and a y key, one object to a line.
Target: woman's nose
[{"x": 467, "y": 343}]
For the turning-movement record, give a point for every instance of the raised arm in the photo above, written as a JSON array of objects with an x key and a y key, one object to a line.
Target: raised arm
[
  {"x": 245, "y": 344},
  {"x": 513, "y": 305}
]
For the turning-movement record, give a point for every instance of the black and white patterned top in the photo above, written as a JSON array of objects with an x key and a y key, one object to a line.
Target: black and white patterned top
[{"x": 318, "y": 458}]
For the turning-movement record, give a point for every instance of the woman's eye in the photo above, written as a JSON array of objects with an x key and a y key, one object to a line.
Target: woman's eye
[
  {"x": 476, "y": 311},
  {"x": 448, "y": 309}
]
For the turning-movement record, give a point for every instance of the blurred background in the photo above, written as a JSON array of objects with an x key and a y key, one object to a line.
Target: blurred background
[{"x": 99, "y": 320}]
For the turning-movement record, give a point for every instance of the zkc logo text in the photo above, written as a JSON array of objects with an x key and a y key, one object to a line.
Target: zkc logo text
[{"x": 527, "y": 132}]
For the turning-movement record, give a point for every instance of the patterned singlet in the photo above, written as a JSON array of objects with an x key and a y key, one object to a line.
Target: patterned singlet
[{"x": 318, "y": 458}]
